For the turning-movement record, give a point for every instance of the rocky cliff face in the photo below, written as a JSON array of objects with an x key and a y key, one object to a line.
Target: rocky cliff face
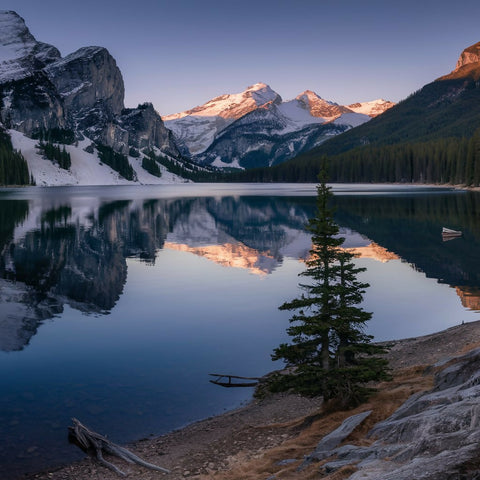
[
  {"x": 83, "y": 91},
  {"x": 31, "y": 104},
  {"x": 146, "y": 129},
  {"x": 318, "y": 107},
  {"x": 88, "y": 76},
  {"x": 469, "y": 55},
  {"x": 468, "y": 64}
]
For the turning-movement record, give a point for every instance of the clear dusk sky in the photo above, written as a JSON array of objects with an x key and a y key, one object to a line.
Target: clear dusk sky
[{"x": 181, "y": 53}]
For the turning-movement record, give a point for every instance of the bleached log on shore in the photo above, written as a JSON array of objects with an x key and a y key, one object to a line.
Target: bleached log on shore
[{"x": 96, "y": 444}]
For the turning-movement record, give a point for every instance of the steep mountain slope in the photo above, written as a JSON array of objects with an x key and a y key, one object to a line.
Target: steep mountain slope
[
  {"x": 256, "y": 128},
  {"x": 80, "y": 97},
  {"x": 447, "y": 107},
  {"x": 266, "y": 137},
  {"x": 86, "y": 166}
]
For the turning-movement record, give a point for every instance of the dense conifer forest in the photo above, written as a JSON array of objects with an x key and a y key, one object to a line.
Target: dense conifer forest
[
  {"x": 13, "y": 167},
  {"x": 56, "y": 154},
  {"x": 117, "y": 161},
  {"x": 151, "y": 166},
  {"x": 446, "y": 160}
]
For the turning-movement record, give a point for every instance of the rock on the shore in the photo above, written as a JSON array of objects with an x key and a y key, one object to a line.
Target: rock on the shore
[
  {"x": 432, "y": 436},
  {"x": 333, "y": 439}
]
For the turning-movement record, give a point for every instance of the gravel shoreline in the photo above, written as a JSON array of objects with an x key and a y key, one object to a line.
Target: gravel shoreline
[{"x": 217, "y": 446}]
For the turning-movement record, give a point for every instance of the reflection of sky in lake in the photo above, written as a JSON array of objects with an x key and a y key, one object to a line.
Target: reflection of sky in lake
[{"x": 405, "y": 303}]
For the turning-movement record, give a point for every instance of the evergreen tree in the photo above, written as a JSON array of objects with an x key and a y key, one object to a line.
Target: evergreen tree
[
  {"x": 330, "y": 354},
  {"x": 151, "y": 166}
]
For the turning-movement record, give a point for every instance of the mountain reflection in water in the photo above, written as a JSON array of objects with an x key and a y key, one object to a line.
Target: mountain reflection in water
[{"x": 68, "y": 254}]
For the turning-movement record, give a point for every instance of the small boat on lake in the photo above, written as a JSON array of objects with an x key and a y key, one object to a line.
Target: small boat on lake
[
  {"x": 449, "y": 234},
  {"x": 224, "y": 383},
  {"x": 449, "y": 231}
]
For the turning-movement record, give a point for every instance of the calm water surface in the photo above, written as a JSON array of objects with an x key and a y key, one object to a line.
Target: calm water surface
[{"x": 116, "y": 302}]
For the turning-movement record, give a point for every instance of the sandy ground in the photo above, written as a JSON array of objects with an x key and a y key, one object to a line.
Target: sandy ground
[{"x": 262, "y": 439}]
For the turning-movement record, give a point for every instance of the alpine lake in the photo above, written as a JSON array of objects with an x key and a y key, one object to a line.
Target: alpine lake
[{"x": 117, "y": 302}]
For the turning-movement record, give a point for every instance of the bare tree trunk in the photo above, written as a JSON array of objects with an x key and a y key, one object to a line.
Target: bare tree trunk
[{"x": 96, "y": 444}]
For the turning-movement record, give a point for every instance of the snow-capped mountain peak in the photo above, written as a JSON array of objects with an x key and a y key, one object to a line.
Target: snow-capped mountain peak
[
  {"x": 195, "y": 129},
  {"x": 19, "y": 51},
  {"x": 261, "y": 110},
  {"x": 320, "y": 108},
  {"x": 16, "y": 41},
  {"x": 262, "y": 94},
  {"x": 232, "y": 106}
]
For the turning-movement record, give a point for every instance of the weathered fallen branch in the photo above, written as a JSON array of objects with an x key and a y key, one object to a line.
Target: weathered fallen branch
[{"x": 96, "y": 444}]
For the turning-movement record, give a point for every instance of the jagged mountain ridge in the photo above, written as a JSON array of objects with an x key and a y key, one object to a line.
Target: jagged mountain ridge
[
  {"x": 265, "y": 137},
  {"x": 447, "y": 107},
  {"x": 197, "y": 128},
  {"x": 20, "y": 53},
  {"x": 233, "y": 105},
  {"x": 257, "y": 128},
  {"x": 83, "y": 92}
]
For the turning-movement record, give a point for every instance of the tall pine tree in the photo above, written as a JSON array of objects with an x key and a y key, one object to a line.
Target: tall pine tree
[{"x": 329, "y": 353}]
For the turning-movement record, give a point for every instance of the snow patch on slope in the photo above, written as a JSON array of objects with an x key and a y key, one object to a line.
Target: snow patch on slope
[
  {"x": 352, "y": 119},
  {"x": 197, "y": 133},
  {"x": 298, "y": 114},
  {"x": 86, "y": 168},
  {"x": 219, "y": 163},
  {"x": 372, "y": 108}
]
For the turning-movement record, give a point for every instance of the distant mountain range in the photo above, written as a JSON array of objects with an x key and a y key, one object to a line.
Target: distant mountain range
[
  {"x": 81, "y": 98},
  {"x": 257, "y": 128}
]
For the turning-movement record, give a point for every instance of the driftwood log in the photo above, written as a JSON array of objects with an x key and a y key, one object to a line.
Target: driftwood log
[{"x": 96, "y": 445}]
